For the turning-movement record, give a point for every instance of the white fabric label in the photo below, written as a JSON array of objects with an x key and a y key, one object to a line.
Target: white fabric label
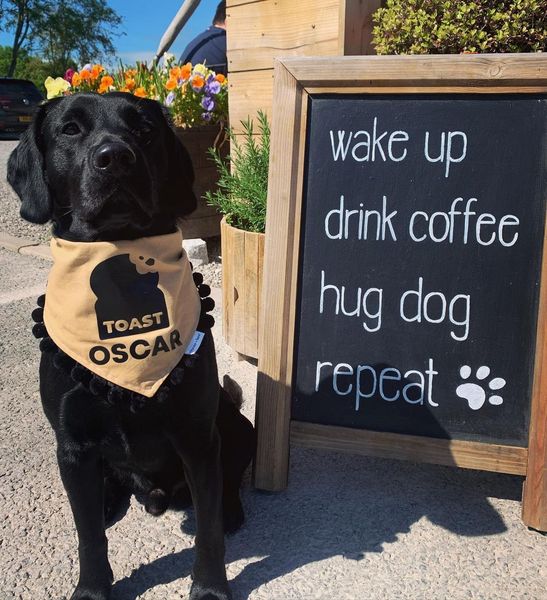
[{"x": 195, "y": 343}]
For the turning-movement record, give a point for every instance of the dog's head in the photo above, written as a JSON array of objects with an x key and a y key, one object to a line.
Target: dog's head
[{"x": 102, "y": 167}]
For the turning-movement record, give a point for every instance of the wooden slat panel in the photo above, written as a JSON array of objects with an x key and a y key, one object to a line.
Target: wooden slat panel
[
  {"x": 239, "y": 288},
  {"x": 249, "y": 92},
  {"x": 534, "y": 500},
  {"x": 260, "y": 31},
  {"x": 421, "y": 70},
  {"x": 276, "y": 336},
  {"x": 469, "y": 455},
  {"x": 227, "y": 263},
  {"x": 250, "y": 345},
  {"x": 356, "y": 26}
]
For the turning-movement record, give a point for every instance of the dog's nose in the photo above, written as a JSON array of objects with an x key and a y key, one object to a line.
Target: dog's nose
[{"x": 114, "y": 156}]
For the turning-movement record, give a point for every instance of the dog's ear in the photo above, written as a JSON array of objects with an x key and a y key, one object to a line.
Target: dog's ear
[
  {"x": 26, "y": 173},
  {"x": 178, "y": 193}
]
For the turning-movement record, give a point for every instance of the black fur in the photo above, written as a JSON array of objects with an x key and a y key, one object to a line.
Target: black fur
[{"x": 109, "y": 168}]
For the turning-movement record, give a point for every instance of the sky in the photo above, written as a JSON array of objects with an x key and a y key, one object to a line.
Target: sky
[{"x": 145, "y": 22}]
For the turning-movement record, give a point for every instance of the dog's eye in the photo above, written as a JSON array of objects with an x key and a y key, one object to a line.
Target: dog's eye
[
  {"x": 71, "y": 129},
  {"x": 143, "y": 130}
]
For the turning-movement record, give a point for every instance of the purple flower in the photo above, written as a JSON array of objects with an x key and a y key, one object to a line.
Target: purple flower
[
  {"x": 213, "y": 87},
  {"x": 170, "y": 99},
  {"x": 69, "y": 74},
  {"x": 206, "y": 116},
  {"x": 208, "y": 103}
]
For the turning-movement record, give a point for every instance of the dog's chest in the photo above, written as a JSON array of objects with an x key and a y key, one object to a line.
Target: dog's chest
[{"x": 138, "y": 444}]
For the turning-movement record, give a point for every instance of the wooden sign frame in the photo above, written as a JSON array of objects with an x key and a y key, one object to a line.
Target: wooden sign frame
[{"x": 295, "y": 80}]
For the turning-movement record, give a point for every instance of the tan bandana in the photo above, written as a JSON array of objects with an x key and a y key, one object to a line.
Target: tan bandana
[{"x": 125, "y": 310}]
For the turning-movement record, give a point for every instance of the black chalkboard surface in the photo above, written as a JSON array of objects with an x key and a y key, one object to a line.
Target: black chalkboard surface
[{"x": 420, "y": 255}]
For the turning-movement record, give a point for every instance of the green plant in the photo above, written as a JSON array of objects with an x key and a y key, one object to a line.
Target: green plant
[
  {"x": 449, "y": 27},
  {"x": 243, "y": 187}
]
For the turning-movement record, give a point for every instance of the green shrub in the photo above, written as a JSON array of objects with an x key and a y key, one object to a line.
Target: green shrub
[
  {"x": 243, "y": 188},
  {"x": 454, "y": 26}
]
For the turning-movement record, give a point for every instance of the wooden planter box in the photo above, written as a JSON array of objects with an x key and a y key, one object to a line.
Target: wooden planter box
[
  {"x": 204, "y": 222},
  {"x": 242, "y": 263}
]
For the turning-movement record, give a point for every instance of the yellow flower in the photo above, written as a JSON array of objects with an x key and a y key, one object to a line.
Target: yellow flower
[
  {"x": 140, "y": 92},
  {"x": 201, "y": 69},
  {"x": 76, "y": 80},
  {"x": 56, "y": 87}
]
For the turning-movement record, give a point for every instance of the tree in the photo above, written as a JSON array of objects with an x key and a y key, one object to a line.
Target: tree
[
  {"x": 76, "y": 30},
  {"x": 63, "y": 31},
  {"x": 19, "y": 16}
]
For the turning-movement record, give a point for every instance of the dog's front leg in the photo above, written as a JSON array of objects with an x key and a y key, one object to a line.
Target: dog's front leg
[
  {"x": 201, "y": 458},
  {"x": 82, "y": 476}
]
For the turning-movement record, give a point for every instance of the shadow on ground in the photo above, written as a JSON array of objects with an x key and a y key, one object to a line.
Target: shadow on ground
[{"x": 339, "y": 504}]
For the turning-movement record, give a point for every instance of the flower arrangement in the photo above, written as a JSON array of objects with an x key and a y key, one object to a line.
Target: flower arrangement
[{"x": 194, "y": 94}]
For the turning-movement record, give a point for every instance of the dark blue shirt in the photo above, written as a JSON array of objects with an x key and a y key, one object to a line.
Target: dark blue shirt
[{"x": 208, "y": 47}]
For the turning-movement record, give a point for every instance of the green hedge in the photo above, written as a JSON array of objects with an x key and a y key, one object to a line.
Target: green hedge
[{"x": 453, "y": 27}]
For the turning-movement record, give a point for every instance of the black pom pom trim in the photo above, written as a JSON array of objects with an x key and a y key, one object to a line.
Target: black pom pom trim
[
  {"x": 177, "y": 375},
  {"x": 198, "y": 278},
  {"x": 38, "y": 315},
  {"x": 81, "y": 375},
  {"x": 39, "y": 330},
  {"x": 207, "y": 304},
  {"x": 206, "y": 322},
  {"x": 115, "y": 394},
  {"x": 98, "y": 386},
  {"x": 41, "y": 301},
  {"x": 47, "y": 345},
  {"x": 63, "y": 361},
  {"x": 204, "y": 290}
]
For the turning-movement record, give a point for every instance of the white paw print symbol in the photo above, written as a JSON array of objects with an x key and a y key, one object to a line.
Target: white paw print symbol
[{"x": 474, "y": 393}]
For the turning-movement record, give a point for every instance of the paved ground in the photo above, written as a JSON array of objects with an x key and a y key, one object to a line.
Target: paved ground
[{"x": 348, "y": 527}]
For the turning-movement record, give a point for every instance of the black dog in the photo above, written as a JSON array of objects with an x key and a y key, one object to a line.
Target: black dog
[{"x": 111, "y": 168}]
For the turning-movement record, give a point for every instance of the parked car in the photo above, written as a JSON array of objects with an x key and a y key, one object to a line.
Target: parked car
[{"x": 19, "y": 99}]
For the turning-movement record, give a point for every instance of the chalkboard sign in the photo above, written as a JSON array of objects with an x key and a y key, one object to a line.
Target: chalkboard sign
[
  {"x": 420, "y": 259},
  {"x": 405, "y": 284}
]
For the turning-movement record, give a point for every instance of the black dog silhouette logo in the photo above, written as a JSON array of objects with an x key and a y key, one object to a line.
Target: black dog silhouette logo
[{"x": 128, "y": 302}]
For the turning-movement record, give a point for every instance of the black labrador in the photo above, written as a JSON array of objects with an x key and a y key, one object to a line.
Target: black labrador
[{"x": 111, "y": 168}]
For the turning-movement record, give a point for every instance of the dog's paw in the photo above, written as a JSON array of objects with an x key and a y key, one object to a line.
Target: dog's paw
[
  {"x": 94, "y": 588},
  {"x": 201, "y": 592},
  {"x": 87, "y": 593}
]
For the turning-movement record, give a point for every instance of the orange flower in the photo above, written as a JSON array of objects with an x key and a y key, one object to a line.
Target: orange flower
[
  {"x": 106, "y": 81},
  {"x": 130, "y": 73},
  {"x": 76, "y": 80},
  {"x": 130, "y": 84},
  {"x": 174, "y": 73},
  {"x": 186, "y": 71},
  {"x": 220, "y": 78},
  {"x": 198, "y": 82},
  {"x": 85, "y": 75},
  {"x": 140, "y": 92},
  {"x": 171, "y": 84},
  {"x": 95, "y": 72}
]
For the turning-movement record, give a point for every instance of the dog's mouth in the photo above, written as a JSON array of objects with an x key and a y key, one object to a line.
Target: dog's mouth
[{"x": 119, "y": 208}]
